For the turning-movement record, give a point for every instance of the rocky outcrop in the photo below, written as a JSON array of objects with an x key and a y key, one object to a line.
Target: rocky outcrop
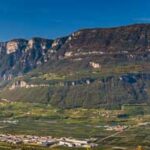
[
  {"x": 20, "y": 56},
  {"x": 23, "y": 84},
  {"x": 15, "y": 45}
]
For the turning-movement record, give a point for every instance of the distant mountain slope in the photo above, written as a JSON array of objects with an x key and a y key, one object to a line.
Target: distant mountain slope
[
  {"x": 105, "y": 91},
  {"x": 89, "y": 68}
]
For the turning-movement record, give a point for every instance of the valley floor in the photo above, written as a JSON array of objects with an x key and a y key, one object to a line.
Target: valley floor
[{"x": 123, "y": 129}]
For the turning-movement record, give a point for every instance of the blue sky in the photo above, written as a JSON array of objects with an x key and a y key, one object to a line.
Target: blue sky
[{"x": 55, "y": 18}]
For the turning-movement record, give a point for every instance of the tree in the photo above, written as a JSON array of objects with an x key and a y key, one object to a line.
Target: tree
[{"x": 139, "y": 148}]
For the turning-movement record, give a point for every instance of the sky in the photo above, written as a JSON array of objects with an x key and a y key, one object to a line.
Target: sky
[{"x": 56, "y": 18}]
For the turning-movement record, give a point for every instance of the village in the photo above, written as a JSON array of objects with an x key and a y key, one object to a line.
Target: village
[{"x": 47, "y": 141}]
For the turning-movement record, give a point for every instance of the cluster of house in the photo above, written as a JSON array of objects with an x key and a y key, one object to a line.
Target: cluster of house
[
  {"x": 105, "y": 114},
  {"x": 46, "y": 141},
  {"x": 69, "y": 142},
  {"x": 118, "y": 128},
  {"x": 95, "y": 65},
  {"x": 9, "y": 121},
  {"x": 143, "y": 123}
]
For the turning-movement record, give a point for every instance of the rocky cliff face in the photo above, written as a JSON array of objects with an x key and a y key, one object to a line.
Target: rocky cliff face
[
  {"x": 123, "y": 40},
  {"x": 92, "y": 45},
  {"x": 21, "y": 56}
]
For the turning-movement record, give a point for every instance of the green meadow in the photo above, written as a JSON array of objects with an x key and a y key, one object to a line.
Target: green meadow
[{"x": 43, "y": 120}]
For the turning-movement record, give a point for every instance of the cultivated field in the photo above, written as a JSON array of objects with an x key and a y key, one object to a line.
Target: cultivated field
[{"x": 125, "y": 128}]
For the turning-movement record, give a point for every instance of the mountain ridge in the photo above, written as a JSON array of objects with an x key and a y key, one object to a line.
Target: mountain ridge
[{"x": 25, "y": 55}]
